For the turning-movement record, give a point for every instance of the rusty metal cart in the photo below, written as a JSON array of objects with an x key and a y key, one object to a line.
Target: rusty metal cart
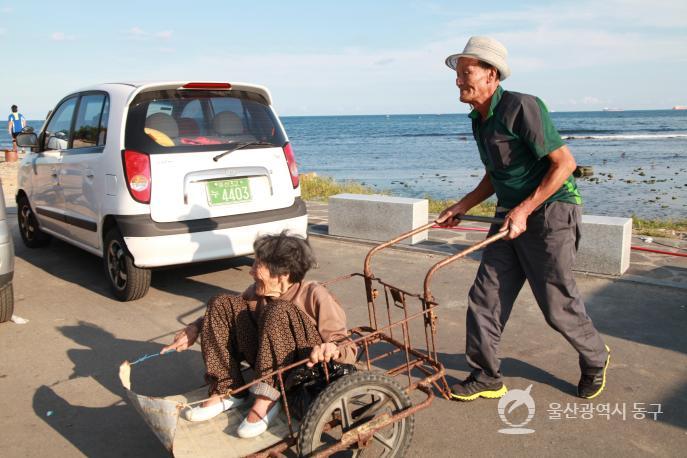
[{"x": 368, "y": 412}]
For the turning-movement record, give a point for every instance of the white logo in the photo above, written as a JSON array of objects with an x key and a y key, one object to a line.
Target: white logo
[{"x": 511, "y": 401}]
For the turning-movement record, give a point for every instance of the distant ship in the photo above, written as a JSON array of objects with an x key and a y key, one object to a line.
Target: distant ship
[
  {"x": 680, "y": 107},
  {"x": 613, "y": 109}
]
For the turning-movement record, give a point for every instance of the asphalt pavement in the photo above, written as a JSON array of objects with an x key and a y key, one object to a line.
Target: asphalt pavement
[{"x": 60, "y": 395}]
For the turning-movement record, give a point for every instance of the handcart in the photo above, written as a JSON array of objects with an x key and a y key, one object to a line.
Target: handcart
[{"x": 368, "y": 412}]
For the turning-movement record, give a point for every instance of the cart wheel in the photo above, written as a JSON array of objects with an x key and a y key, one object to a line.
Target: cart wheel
[{"x": 350, "y": 402}]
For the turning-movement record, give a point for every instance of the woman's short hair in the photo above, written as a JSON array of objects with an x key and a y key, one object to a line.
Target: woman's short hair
[{"x": 285, "y": 254}]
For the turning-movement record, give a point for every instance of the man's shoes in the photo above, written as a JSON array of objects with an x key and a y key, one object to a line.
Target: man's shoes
[
  {"x": 593, "y": 383},
  {"x": 199, "y": 413},
  {"x": 471, "y": 389},
  {"x": 247, "y": 430}
]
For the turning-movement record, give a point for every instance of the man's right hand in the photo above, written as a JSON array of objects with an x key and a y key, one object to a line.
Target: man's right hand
[
  {"x": 450, "y": 217},
  {"x": 183, "y": 339}
]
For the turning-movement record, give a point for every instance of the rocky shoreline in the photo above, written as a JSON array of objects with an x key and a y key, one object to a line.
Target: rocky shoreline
[{"x": 8, "y": 177}]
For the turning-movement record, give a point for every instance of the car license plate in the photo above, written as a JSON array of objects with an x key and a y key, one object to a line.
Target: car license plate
[{"x": 223, "y": 192}]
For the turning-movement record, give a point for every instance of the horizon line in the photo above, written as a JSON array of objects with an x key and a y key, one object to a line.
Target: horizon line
[{"x": 454, "y": 113}]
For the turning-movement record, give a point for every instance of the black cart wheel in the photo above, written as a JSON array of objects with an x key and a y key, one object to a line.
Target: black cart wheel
[
  {"x": 31, "y": 234},
  {"x": 350, "y": 402},
  {"x": 127, "y": 281},
  {"x": 6, "y": 303}
]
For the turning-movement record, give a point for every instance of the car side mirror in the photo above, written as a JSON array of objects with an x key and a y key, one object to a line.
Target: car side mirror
[{"x": 27, "y": 140}]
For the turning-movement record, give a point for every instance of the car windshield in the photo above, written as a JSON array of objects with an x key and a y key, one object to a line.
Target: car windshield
[{"x": 179, "y": 120}]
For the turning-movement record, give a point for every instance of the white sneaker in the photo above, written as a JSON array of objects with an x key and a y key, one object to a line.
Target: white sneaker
[
  {"x": 199, "y": 413},
  {"x": 247, "y": 430}
]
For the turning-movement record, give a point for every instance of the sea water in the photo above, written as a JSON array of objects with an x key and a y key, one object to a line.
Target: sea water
[{"x": 639, "y": 158}]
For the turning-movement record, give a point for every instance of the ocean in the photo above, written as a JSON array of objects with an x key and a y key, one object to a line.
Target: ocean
[{"x": 639, "y": 158}]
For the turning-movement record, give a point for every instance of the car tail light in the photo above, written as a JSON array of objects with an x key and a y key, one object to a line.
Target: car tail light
[
  {"x": 137, "y": 172},
  {"x": 206, "y": 86},
  {"x": 291, "y": 162}
]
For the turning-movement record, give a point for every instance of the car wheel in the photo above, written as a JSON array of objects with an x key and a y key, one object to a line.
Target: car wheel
[
  {"x": 127, "y": 281},
  {"x": 31, "y": 234},
  {"x": 6, "y": 303}
]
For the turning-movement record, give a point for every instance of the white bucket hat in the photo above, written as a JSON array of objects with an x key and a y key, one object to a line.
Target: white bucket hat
[{"x": 485, "y": 49}]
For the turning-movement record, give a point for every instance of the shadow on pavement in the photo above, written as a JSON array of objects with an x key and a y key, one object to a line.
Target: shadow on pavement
[
  {"x": 510, "y": 367},
  {"x": 649, "y": 315},
  {"x": 98, "y": 430},
  {"x": 76, "y": 266},
  {"x": 113, "y": 431},
  {"x": 654, "y": 316}
]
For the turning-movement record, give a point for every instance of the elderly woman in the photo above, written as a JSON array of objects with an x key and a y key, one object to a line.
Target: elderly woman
[{"x": 278, "y": 320}]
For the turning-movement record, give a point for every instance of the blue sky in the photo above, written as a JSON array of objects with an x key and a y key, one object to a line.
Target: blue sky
[{"x": 353, "y": 57}]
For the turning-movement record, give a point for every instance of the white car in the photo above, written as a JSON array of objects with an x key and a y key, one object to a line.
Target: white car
[
  {"x": 6, "y": 264},
  {"x": 157, "y": 174}
]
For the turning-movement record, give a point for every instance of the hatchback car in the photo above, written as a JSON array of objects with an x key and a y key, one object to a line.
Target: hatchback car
[{"x": 157, "y": 174}]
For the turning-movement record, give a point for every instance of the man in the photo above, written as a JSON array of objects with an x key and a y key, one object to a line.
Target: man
[
  {"x": 16, "y": 124},
  {"x": 530, "y": 169}
]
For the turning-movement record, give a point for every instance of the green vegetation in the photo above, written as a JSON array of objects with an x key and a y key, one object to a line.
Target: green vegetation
[
  {"x": 318, "y": 188},
  {"x": 314, "y": 187},
  {"x": 487, "y": 208},
  {"x": 659, "y": 227}
]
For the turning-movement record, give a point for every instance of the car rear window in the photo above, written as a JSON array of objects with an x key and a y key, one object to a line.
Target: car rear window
[{"x": 176, "y": 120}]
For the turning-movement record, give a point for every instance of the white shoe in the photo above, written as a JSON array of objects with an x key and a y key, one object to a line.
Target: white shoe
[
  {"x": 199, "y": 413},
  {"x": 247, "y": 430}
]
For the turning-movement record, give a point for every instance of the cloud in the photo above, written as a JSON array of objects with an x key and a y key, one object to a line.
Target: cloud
[
  {"x": 584, "y": 34},
  {"x": 658, "y": 14},
  {"x": 60, "y": 36},
  {"x": 582, "y": 55},
  {"x": 137, "y": 33},
  {"x": 348, "y": 81},
  {"x": 6, "y": 10}
]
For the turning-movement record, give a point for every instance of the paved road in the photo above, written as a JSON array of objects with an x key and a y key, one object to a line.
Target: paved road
[{"x": 60, "y": 395}]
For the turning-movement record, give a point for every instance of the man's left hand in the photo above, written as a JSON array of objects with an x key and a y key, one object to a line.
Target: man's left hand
[
  {"x": 323, "y": 353},
  {"x": 515, "y": 222}
]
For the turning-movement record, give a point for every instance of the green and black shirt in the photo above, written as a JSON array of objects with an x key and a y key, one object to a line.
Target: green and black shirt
[{"x": 513, "y": 142}]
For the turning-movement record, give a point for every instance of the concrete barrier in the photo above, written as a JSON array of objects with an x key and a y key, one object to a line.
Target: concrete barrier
[
  {"x": 604, "y": 248},
  {"x": 605, "y": 245},
  {"x": 377, "y": 217}
]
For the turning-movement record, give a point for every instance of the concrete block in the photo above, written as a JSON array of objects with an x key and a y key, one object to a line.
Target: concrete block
[
  {"x": 377, "y": 217},
  {"x": 605, "y": 245}
]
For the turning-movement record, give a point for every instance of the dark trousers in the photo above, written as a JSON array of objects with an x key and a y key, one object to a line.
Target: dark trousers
[
  {"x": 279, "y": 335},
  {"x": 544, "y": 256}
]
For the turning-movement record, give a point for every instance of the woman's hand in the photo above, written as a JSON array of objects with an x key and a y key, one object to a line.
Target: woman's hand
[
  {"x": 323, "y": 353},
  {"x": 183, "y": 339}
]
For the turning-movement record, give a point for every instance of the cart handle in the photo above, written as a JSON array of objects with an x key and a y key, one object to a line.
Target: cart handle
[
  {"x": 444, "y": 262},
  {"x": 368, "y": 259}
]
